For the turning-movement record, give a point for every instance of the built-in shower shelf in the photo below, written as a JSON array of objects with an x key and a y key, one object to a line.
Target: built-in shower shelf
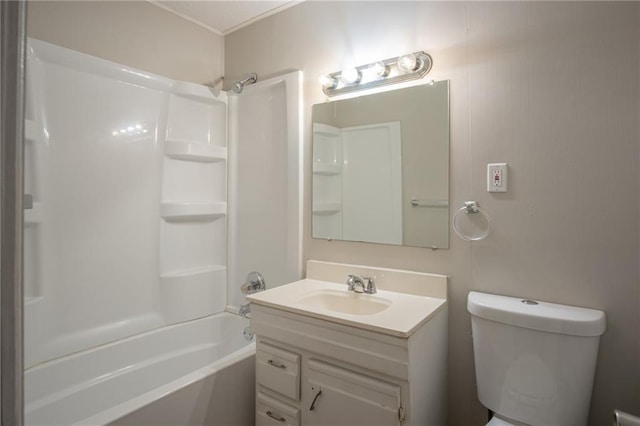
[
  {"x": 31, "y": 130},
  {"x": 194, "y": 151},
  {"x": 33, "y": 215},
  {"x": 323, "y": 129},
  {"x": 325, "y": 209},
  {"x": 193, "y": 211},
  {"x": 204, "y": 270},
  {"x": 198, "y": 92},
  {"x": 32, "y": 300},
  {"x": 326, "y": 169},
  {"x": 193, "y": 293}
]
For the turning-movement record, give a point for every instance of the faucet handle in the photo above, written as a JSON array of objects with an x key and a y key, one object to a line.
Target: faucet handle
[
  {"x": 351, "y": 282},
  {"x": 370, "y": 285},
  {"x": 255, "y": 283}
]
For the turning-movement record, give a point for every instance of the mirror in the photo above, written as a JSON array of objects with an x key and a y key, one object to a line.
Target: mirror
[{"x": 381, "y": 167}]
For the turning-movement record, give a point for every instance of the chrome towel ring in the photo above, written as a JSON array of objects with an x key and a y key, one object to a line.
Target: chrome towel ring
[{"x": 471, "y": 207}]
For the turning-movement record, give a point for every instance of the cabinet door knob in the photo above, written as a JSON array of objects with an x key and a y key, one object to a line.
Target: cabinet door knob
[
  {"x": 276, "y": 364},
  {"x": 276, "y": 417}
]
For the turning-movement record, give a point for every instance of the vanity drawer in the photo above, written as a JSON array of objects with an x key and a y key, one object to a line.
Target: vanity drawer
[
  {"x": 278, "y": 370},
  {"x": 270, "y": 411}
]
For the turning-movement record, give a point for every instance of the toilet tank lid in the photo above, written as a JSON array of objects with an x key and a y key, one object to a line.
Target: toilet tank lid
[{"x": 537, "y": 315}]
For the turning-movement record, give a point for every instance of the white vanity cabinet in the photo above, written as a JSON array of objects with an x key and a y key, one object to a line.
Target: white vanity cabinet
[
  {"x": 327, "y": 356},
  {"x": 315, "y": 372}
]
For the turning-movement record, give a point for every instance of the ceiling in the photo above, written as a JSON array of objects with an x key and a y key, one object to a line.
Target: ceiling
[{"x": 226, "y": 16}]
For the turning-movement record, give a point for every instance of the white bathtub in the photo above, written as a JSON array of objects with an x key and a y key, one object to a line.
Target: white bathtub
[{"x": 196, "y": 373}]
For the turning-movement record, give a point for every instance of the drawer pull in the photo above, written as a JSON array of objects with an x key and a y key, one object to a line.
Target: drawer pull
[
  {"x": 276, "y": 417},
  {"x": 276, "y": 364}
]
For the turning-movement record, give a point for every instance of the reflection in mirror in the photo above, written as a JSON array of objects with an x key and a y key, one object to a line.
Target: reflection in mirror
[{"x": 381, "y": 167}]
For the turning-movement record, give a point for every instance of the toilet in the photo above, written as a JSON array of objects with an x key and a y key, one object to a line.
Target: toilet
[{"x": 534, "y": 361}]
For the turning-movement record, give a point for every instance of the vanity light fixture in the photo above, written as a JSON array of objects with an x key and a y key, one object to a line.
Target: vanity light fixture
[
  {"x": 381, "y": 73},
  {"x": 351, "y": 76},
  {"x": 328, "y": 82},
  {"x": 379, "y": 69},
  {"x": 407, "y": 63}
]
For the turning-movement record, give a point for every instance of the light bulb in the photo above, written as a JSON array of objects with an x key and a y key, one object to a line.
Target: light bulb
[
  {"x": 351, "y": 76},
  {"x": 407, "y": 63},
  {"x": 328, "y": 82},
  {"x": 379, "y": 69}
]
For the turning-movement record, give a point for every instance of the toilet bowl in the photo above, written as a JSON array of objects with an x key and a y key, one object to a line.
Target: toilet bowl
[{"x": 534, "y": 361}]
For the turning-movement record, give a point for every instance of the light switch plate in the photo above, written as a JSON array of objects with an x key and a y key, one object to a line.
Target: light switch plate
[{"x": 497, "y": 177}]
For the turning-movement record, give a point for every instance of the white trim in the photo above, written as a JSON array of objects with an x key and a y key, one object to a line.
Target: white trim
[
  {"x": 233, "y": 28},
  {"x": 183, "y": 16},
  {"x": 262, "y": 16}
]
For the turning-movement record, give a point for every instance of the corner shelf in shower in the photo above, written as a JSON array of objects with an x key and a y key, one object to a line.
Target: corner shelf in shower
[
  {"x": 325, "y": 209},
  {"x": 32, "y": 300},
  {"x": 326, "y": 169},
  {"x": 325, "y": 130},
  {"x": 33, "y": 215},
  {"x": 181, "y": 212},
  {"x": 192, "y": 293},
  {"x": 198, "y": 92},
  {"x": 194, "y": 151},
  {"x": 209, "y": 269},
  {"x": 31, "y": 130}
]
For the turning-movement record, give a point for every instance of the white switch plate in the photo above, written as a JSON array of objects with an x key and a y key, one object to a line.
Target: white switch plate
[{"x": 497, "y": 177}]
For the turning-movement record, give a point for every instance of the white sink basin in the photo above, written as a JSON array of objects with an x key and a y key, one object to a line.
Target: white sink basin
[
  {"x": 345, "y": 302},
  {"x": 388, "y": 312}
]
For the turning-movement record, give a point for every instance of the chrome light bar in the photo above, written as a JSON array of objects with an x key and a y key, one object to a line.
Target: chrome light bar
[{"x": 407, "y": 67}]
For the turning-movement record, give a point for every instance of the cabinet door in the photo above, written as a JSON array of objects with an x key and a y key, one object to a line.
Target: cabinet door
[{"x": 336, "y": 396}]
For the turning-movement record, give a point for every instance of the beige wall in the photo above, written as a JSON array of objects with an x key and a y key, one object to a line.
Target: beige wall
[
  {"x": 133, "y": 33},
  {"x": 553, "y": 89}
]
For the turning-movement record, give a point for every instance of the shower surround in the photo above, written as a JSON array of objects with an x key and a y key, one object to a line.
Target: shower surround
[
  {"x": 126, "y": 236},
  {"x": 127, "y": 173}
]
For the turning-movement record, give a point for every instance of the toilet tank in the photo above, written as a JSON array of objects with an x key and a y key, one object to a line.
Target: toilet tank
[{"x": 534, "y": 361}]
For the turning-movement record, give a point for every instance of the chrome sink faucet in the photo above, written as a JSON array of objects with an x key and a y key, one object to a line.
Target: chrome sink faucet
[{"x": 361, "y": 284}]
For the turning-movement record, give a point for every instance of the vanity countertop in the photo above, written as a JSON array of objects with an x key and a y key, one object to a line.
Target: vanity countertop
[{"x": 388, "y": 312}]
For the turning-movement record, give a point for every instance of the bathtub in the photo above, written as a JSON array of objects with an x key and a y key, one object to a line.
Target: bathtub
[{"x": 199, "y": 372}]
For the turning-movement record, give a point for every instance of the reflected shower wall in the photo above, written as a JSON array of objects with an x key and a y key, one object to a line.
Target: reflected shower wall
[{"x": 127, "y": 229}]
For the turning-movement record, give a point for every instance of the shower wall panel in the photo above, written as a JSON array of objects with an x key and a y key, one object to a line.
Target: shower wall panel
[
  {"x": 127, "y": 174},
  {"x": 265, "y": 176}
]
